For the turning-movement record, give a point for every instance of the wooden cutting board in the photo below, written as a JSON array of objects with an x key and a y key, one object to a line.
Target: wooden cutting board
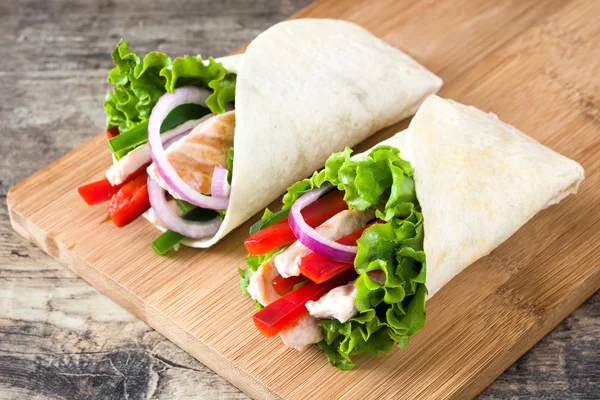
[{"x": 534, "y": 63}]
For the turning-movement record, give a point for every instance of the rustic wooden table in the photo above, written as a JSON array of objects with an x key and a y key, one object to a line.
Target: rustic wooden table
[{"x": 60, "y": 337}]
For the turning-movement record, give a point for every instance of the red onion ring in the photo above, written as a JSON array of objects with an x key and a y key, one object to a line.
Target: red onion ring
[
  {"x": 310, "y": 237},
  {"x": 219, "y": 187},
  {"x": 140, "y": 156},
  {"x": 190, "y": 229},
  {"x": 166, "y": 103},
  {"x": 167, "y": 143}
]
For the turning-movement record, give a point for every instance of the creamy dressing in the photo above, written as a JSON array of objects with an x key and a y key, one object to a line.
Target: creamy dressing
[{"x": 336, "y": 227}]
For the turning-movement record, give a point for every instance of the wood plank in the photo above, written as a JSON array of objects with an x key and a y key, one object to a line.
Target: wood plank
[{"x": 527, "y": 72}]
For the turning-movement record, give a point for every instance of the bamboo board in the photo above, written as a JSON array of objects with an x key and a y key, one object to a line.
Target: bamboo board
[{"x": 535, "y": 64}]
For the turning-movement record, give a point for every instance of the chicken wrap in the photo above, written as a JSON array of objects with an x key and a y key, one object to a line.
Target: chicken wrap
[
  {"x": 225, "y": 137},
  {"x": 358, "y": 248}
]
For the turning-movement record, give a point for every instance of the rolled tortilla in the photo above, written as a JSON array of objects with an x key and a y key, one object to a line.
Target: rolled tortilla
[
  {"x": 478, "y": 180},
  {"x": 306, "y": 88}
]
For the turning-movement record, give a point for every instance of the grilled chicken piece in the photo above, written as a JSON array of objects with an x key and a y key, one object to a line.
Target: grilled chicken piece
[
  {"x": 338, "y": 303},
  {"x": 261, "y": 283},
  {"x": 194, "y": 156},
  {"x": 303, "y": 333}
]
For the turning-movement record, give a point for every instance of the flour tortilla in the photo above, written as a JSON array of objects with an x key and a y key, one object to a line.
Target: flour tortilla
[
  {"x": 478, "y": 180},
  {"x": 307, "y": 88},
  {"x": 231, "y": 63}
]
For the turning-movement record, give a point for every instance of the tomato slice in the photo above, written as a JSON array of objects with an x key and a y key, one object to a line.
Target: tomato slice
[
  {"x": 280, "y": 233},
  {"x": 319, "y": 269},
  {"x": 129, "y": 202},
  {"x": 285, "y": 285},
  {"x": 290, "y": 308},
  {"x": 112, "y": 132},
  {"x": 101, "y": 191}
]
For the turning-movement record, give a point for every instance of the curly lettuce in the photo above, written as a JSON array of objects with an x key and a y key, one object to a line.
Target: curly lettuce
[
  {"x": 139, "y": 82},
  {"x": 394, "y": 311}
]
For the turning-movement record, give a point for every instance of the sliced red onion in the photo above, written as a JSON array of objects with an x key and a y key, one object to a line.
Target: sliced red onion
[
  {"x": 167, "y": 143},
  {"x": 310, "y": 237},
  {"x": 191, "y": 229},
  {"x": 166, "y": 103},
  {"x": 219, "y": 187},
  {"x": 140, "y": 156}
]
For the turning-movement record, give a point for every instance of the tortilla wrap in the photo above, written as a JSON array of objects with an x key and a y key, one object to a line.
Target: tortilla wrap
[
  {"x": 478, "y": 180},
  {"x": 307, "y": 88}
]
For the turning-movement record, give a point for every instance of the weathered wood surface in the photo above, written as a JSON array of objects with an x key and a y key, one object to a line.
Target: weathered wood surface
[{"x": 61, "y": 338}]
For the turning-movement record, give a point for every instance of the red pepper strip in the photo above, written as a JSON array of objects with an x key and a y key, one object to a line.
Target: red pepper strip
[
  {"x": 285, "y": 285},
  {"x": 97, "y": 192},
  {"x": 290, "y": 308},
  {"x": 129, "y": 202},
  {"x": 112, "y": 132},
  {"x": 319, "y": 269},
  {"x": 101, "y": 191},
  {"x": 280, "y": 233}
]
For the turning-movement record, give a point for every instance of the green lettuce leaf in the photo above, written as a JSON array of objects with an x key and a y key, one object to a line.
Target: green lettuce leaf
[
  {"x": 394, "y": 311},
  {"x": 139, "y": 82},
  {"x": 269, "y": 218},
  {"x": 301, "y": 187}
]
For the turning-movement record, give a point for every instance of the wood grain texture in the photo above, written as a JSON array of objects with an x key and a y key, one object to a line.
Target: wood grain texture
[{"x": 508, "y": 301}]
